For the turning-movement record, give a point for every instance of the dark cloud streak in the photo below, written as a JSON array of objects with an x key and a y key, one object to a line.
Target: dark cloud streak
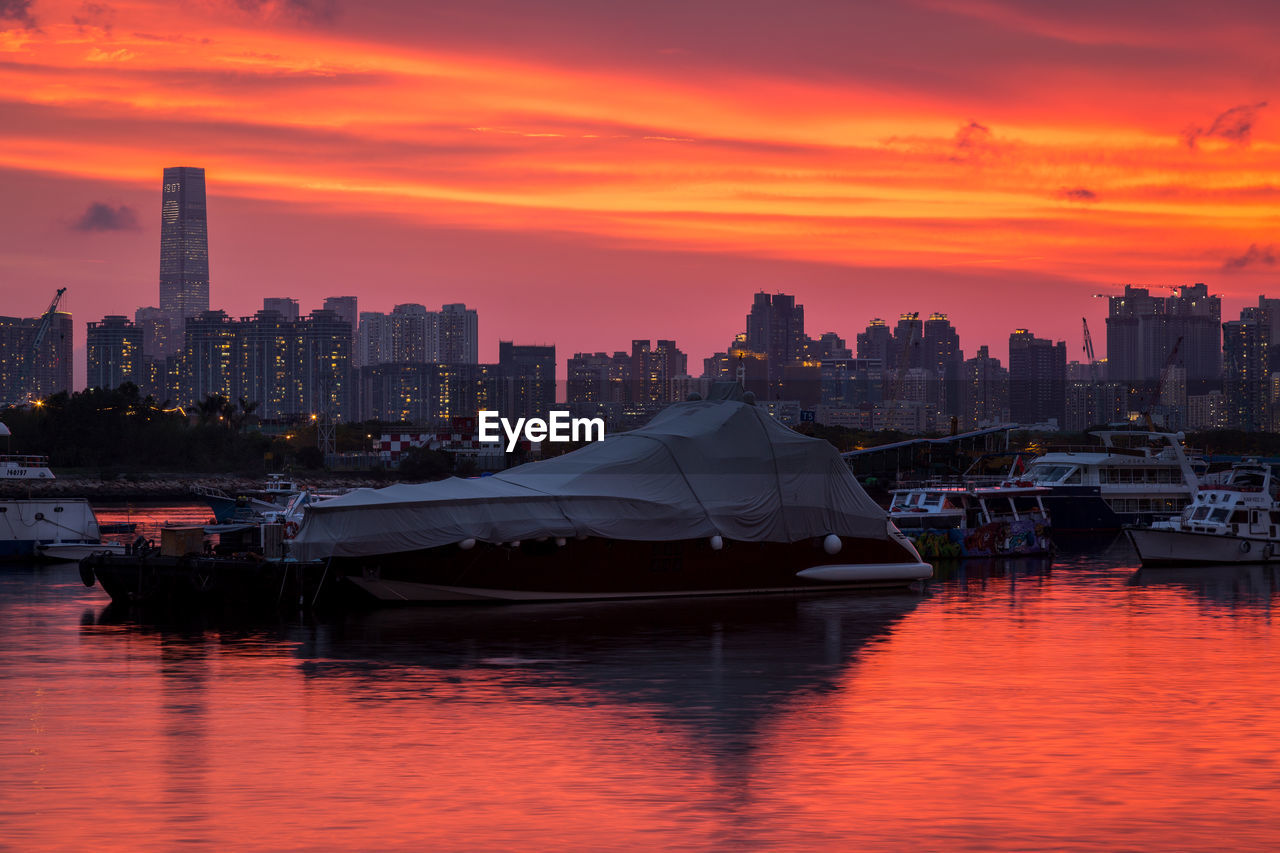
[
  {"x": 1234, "y": 125},
  {"x": 103, "y": 217},
  {"x": 1077, "y": 194},
  {"x": 1255, "y": 255},
  {"x": 19, "y": 11}
]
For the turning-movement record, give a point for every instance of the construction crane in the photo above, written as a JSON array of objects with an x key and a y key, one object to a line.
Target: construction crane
[
  {"x": 1088, "y": 341},
  {"x": 28, "y": 370},
  {"x": 1160, "y": 383}
]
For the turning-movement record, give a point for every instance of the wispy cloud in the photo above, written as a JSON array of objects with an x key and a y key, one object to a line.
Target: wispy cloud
[
  {"x": 1255, "y": 255},
  {"x": 1234, "y": 125},
  {"x": 1077, "y": 194},
  {"x": 17, "y": 11},
  {"x": 103, "y": 217}
]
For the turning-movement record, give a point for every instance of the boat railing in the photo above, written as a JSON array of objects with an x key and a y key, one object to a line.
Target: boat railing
[
  {"x": 208, "y": 492},
  {"x": 1099, "y": 448},
  {"x": 24, "y": 461}
]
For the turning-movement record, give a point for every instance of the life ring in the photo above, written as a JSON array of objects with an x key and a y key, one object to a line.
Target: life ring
[
  {"x": 1245, "y": 546},
  {"x": 290, "y": 529}
]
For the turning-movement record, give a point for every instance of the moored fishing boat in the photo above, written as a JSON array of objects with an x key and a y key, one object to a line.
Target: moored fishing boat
[
  {"x": 1233, "y": 520},
  {"x": 712, "y": 497},
  {"x": 957, "y": 521}
]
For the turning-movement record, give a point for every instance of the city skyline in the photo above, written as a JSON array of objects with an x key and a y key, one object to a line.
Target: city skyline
[{"x": 601, "y": 176}]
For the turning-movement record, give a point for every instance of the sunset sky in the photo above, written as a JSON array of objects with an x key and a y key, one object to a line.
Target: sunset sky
[{"x": 587, "y": 172}]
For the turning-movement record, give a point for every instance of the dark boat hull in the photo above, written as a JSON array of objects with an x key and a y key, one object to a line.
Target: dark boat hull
[{"x": 609, "y": 569}]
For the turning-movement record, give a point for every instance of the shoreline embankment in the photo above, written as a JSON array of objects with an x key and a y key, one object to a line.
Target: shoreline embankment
[{"x": 158, "y": 488}]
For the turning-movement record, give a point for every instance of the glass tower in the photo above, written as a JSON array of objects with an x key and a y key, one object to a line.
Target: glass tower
[{"x": 184, "y": 244}]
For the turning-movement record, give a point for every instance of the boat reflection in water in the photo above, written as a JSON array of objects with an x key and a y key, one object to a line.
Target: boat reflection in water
[
  {"x": 1231, "y": 585},
  {"x": 723, "y": 663}
]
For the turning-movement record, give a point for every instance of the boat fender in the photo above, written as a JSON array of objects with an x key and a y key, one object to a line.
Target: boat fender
[
  {"x": 832, "y": 544},
  {"x": 559, "y": 541},
  {"x": 467, "y": 544},
  {"x": 86, "y": 571},
  {"x": 290, "y": 529},
  {"x": 716, "y": 542},
  {"x": 1245, "y": 546}
]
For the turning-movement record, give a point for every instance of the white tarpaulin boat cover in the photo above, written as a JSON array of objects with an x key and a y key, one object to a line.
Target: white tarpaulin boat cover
[{"x": 698, "y": 469}]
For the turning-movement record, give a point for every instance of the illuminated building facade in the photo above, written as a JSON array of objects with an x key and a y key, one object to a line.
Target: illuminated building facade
[
  {"x": 113, "y": 352},
  {"x": 184, "y": 247}
]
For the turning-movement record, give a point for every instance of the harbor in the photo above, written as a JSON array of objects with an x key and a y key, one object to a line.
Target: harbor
[{"x": 1074, "y": 701}]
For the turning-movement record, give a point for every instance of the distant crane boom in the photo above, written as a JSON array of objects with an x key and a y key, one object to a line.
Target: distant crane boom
[
  {"x": 42, "y": 331},
  {"x": 1160, "y": 383},
  {"x": 1088, "y": 341}
]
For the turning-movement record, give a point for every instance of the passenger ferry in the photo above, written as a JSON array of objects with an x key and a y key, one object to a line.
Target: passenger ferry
[
  {"x": 957, "y": 521},
  {"x": 1233, "y": 521},
  {"x": 1131, "y": 478}
]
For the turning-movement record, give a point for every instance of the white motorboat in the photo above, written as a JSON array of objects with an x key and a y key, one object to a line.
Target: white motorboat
[
  {"x": 1132, "y": 477},
  {"x": 74, "y": 552},
  {"x": 1236, "y": 520},
  {"x": 26, "y": 523}
]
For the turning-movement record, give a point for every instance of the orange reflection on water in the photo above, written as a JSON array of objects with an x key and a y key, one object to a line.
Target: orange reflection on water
[{"x": 1060, "y": 710}]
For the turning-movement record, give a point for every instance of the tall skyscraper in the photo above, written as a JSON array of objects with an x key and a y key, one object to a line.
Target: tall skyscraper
[
  {"x": 113, "y": 352},
  {"x": 1037, "y": 379},
  {"x": 184, "y": 246},
  {"x": 459, "y": 334}
]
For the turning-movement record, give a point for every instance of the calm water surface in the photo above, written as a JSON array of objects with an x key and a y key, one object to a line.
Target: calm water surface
[{"x": 1013, "y": 706}]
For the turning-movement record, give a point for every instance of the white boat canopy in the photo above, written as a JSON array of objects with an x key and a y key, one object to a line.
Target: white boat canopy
[{"x": 698, "y": 469}]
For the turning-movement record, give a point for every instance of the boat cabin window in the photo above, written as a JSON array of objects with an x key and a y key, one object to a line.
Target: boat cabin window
[
  {"x": 1049, "y": 473},
  {"x": 1220, "y": 514},
  {"x": 933, "y": 500},
  {"x": 1073, "y": 477},
  {"x": 1200, "y": 513},
  {"x": 1026, "y": 505},
  {"x": 1250, "y": 479}
]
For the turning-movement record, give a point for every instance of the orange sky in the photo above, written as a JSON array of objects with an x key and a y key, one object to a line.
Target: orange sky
[{"x": 586, "y": 173}]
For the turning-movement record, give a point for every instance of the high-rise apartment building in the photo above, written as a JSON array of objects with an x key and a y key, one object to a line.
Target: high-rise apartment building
[
  {"x": 347, "y": 309},
  {"x": 285, "y": 306},
  {"x": 775, "y": 327},
  {"x": 528, "y": 375},
  {"x": 653, "y": 368},
  {"x": 113, "y": 353},
  {"x": 1142, "y": 331},
  {"x": 184, "y": 247},
  {"x": 984, "y": 391},
  {"x": 597, "y": 377},
  {"x": 1037, "y": 379},
  {"x": 413, "y": 334},
  {"x": 291, "y": 369},
  {"x": 1250, "y": 353},
  {"x": 459, "y": 330},
  {"x": 28, "y": 372},
  {"x": 876, "y": 343}
]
